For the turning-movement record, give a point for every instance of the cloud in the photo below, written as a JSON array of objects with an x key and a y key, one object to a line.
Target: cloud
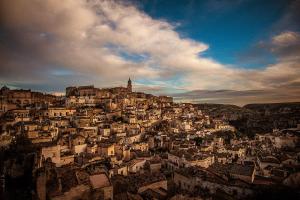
[
  {"x": 286, "y": 71},
  {"x": 286, "y": 39},
  {"x": 286, "y": 45},
  {"x": 77, "y": 35},
  {"x": 59, "y": 43}
]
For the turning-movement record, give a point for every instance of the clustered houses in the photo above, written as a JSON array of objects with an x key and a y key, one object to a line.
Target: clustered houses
[
  {"x": 114, "y": 143},
  {"x": 13, "y": 99},
  {"x": 276, "y": 154}
]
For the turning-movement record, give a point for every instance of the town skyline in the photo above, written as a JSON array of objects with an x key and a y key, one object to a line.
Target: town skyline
[{"x": 239, "y": 98}]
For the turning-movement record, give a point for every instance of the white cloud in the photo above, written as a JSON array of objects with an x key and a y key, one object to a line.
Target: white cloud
[
  {"x": 88, "y": 38},
  {"x": 286, "y": 38}
]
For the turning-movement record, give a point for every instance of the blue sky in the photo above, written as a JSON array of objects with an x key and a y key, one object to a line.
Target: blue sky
[
  {"x": 231, "y": 28},
  {"x": 165, "y": 46}
]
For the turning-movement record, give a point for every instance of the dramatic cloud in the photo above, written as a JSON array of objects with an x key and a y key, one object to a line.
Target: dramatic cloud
[
  {"x": 87, "y": 39},
  {"x": 57, "y": 43}
]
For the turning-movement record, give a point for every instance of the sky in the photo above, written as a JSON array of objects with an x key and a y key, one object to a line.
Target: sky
[{"x": 220, "y": 51}]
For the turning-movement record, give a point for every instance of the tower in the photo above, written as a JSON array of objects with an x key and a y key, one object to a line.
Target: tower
[{"x": 129, "y": 86}]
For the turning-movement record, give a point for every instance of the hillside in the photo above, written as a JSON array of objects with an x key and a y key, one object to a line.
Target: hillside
[{"x": 256, "y": 118}]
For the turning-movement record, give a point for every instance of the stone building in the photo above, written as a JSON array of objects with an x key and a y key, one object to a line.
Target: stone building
[
  {"x": 23, "y": 98},
  {"x": 129, "y": 85}
]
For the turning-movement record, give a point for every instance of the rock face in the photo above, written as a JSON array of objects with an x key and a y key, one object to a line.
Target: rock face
[
  {"x": 256, "y": 118},
  {"x": 41, "y": 186},
  {"x": 293, "y": 180},
  {"x": 229, "y": 112},
  {"x": 270, "y": 116}
]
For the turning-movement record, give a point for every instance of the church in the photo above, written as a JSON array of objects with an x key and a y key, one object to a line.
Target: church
[
  {"x": 129, "y": 85},
  {"x": 90, "y": 90}
]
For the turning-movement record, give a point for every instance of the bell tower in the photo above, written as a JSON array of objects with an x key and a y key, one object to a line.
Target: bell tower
[{"x": 129, "y": 85}]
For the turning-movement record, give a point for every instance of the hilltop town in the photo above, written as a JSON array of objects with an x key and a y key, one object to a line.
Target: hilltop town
[{"x": 114, "y": 143}]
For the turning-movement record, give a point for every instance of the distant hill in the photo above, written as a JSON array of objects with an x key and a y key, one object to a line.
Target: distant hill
[
  {"x": 267, "y": 108},
  {"x": 230, "y": 112},
  {"x": 256, "y": 118},
  {"x": 236, "y": 97}
]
